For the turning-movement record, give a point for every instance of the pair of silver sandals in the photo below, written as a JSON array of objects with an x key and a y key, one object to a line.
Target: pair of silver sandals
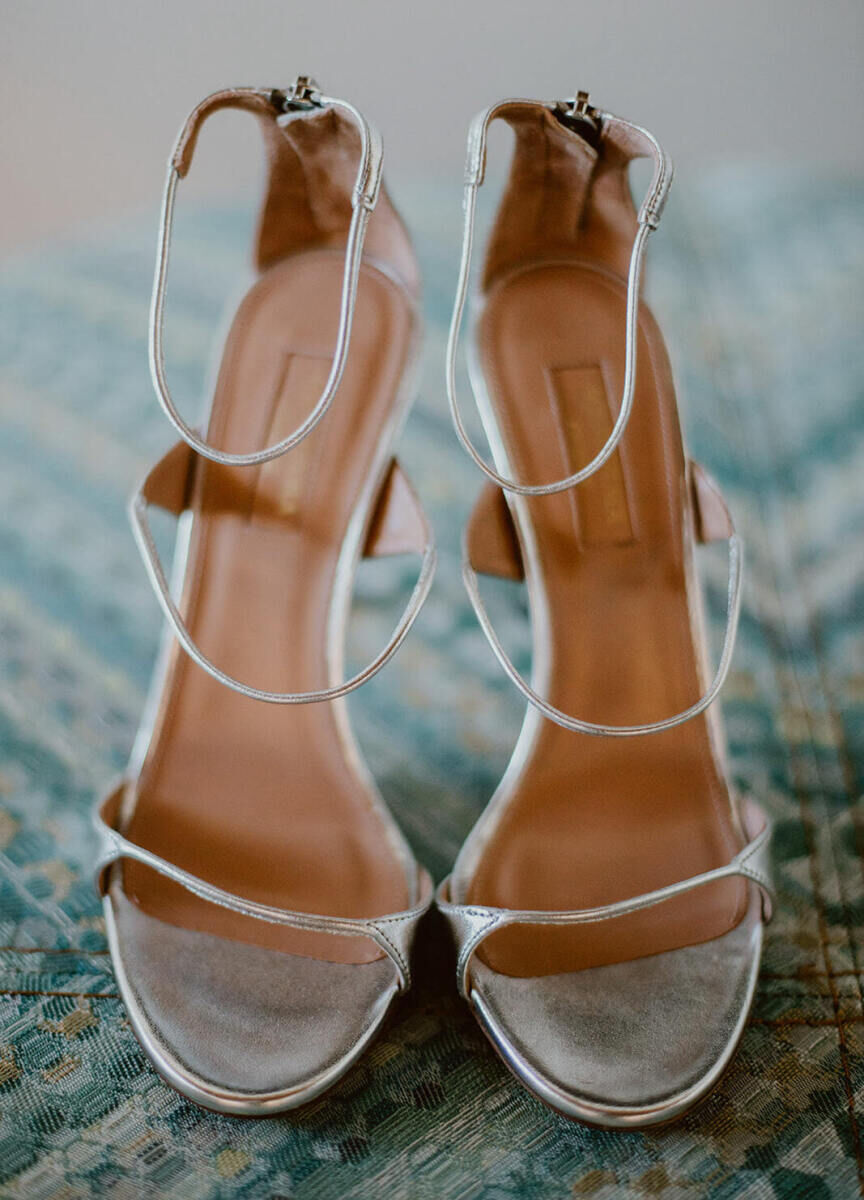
[{"x": 261, "y": 904}]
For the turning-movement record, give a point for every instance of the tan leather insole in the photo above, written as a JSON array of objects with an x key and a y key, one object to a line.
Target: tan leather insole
[
  {"x": 265, "y": 800},
  {"x": 592, "y": 820}
]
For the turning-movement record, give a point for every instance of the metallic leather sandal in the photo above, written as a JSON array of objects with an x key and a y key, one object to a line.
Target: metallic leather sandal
[
  {"x": 260, "y": 901},
  {"x": 608, "y": 906}
]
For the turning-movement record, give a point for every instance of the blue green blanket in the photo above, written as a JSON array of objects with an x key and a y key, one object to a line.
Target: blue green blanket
[{"x": 758, "y": 280}]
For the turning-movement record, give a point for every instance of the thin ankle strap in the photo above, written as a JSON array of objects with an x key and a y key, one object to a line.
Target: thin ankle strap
[
  {"x": 308, "y": 136},
  {"x": 398, "y": 525},
  {"x": 491, "y": 546},
  {"x": 588, "y": 169}
]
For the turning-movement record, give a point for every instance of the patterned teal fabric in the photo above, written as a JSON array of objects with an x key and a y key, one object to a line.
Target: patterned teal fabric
[{"x": 758, "y": 279}]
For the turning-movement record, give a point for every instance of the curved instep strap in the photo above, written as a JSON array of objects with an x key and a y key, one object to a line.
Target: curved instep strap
[
  {"x": 398, "y": 525},
  {"x": 641, "y": 143},
  {"x": 278, "y": 107},
  {"x": 472, "y": 924},
  {"x": 491, "y": 546},
  {"x": 392, "y": 932}
]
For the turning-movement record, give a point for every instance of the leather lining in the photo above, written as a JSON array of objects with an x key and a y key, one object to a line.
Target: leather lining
[
  {"x": 619, "y": 649},
  {"x": 268, "y": 802},
  {"x": 580, "y": 822}
]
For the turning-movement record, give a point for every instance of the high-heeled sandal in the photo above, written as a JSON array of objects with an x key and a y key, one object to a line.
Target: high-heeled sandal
[
  {"x": 608, "y": 906},
  {"x": 260, "y": 901}
]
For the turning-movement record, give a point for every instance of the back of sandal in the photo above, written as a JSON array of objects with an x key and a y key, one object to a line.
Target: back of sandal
[
  {"x": 259, "y": 898},
  {"x": 608, "y": 905}
]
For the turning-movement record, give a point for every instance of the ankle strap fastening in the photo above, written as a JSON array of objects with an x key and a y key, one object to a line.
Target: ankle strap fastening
[
  {"x": 639, "y": 143},
  {"x": 279, "y": 107}
]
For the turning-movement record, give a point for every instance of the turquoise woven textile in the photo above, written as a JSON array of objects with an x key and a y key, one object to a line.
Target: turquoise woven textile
[{"x": 758, "y": 281}]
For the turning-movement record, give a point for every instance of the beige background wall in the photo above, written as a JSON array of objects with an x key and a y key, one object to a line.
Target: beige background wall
[{"x": 92, "y": 91}]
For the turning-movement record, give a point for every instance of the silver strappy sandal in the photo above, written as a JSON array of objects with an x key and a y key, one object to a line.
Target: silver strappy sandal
[
  {"x": 608, "y": 906},
  {"x": 260, "y": 900}
]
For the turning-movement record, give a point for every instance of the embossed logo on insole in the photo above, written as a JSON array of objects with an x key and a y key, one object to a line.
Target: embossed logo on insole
[
  {"x": 583, "y": 415},
  {"x": 282, "y": 482}
]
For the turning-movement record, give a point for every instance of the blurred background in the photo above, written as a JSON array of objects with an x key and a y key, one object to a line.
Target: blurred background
[{"x": 93, "y": 91}]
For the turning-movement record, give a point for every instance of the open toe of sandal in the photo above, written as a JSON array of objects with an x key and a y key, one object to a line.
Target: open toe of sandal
[
  {"x": 608, "y": 906},
  {"x": 236, "y": 1027},
  {"x": 632, "y": 1043}
]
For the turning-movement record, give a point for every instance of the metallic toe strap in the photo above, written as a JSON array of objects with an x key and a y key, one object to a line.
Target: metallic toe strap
[
  {"x": 472, "y": 924},
  {"x": 302, "y": 99},
  {"x": 393, "y": 933},
  {"x": 648, "y": 220},
  {"x": 712, "y": 520},
  {"x": 168, "y": 486}
]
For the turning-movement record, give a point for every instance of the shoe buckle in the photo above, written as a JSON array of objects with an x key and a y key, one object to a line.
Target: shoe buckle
[
  {"x": 304, "y": 92},
  {"x": 580, "y": 116}
]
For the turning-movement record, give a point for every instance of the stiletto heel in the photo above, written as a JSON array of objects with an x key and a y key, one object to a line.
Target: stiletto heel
[
  {"x": 608, "y": 906},
  {"x": 260, "y": 900}
]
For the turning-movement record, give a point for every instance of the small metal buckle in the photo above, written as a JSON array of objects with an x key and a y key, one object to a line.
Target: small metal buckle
[
  {"x": 304, "y": 92},
  {"x": 582, "y": 108},
  {"x": 580, "y": 116}
]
